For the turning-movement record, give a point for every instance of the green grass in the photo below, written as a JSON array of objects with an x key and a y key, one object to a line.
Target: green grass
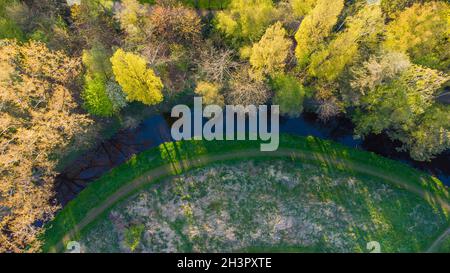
[
  {"x": 170, "y": 153},
  {"x": 445, "y": 246},
  {"x": 250, "y": 195}
]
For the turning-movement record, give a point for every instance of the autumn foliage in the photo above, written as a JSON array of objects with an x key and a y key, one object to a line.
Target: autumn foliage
[{"x": 38, "y": 118}]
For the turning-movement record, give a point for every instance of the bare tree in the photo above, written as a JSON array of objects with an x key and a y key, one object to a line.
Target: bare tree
[
  {"x": 246, "y": 90},
  {"x": 216, "y": 65}
]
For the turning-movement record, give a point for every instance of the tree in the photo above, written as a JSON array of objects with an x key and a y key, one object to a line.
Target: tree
[
  {"x": 421, "y": 31},
  {"x": 172, "y": 44},
  {"x": 134, "y": 21},
  {"x": 9, "y": 27},
  {"x": 246, "y": 90},
  {"x": 42, "y": 20},
  {"x": 302, "y": 7},
  {"x": 176, "y": 24},
  {"x": 315, "y": 28},
  {"x": 362, "y": 29},
  {"x": 95, "y": 98},
  {"x": 116, "y": 95},
  {"x": 38, "y": 119},
  {"x": 289, "y": 94},
  {"x": 246, "y": 20},
  {"x": 400, "y": 107},
  {"x": 392, "y": 7},
  {"x": 93, "y": 23},
  {"x": 101, "y": 97},
  {"x": 268, "y": 56},
  {"x": 216, "y": 65},
  {"x": 377, "y": 71},
  {"x": 326, "y": 99},
  {"x": 430, "y": 135},
  {"x": 131, "y": 16},
  {"x": 137, "y": 81},
  {"x": 210, "y": 93},
  {"x": 96, "y": 61}
]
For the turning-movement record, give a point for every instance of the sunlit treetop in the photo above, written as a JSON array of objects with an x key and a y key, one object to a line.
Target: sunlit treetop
[
  {"x": 137, "y": 81},
  {"x": 422, "y": 31},
  {"x": 246, "y": 20},
  {"x": 315, "y": 27}
]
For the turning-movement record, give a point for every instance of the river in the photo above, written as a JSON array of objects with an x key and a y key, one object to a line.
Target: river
[{"x": 156, "y": 130}]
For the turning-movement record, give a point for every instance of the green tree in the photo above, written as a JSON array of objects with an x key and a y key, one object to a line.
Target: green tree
[
  {"x": 268, "y": 56},
  {"x": 8, "y": 27},
  {"x": 246, "y": 20},
  {"x": 137, "y": 81},
  {"x": 316, "y": 26},
  {"x": 379, "y": 69},
  {"x": 400, "y": 108},
  {"x": 289, "y": 94},
  {"x": 362, "y": 29},
  {"x": 421, "y": 31},
  {"x": 431, "y": 134},
  {"x": 95, "y": 98},
  {"x": 42, "y": 21},
  {"x": 116, "y": 95},
  {"x": 133, "y": 236},
  {"x": 96, "y": 60},
  {"x": 102, "y": 97}
]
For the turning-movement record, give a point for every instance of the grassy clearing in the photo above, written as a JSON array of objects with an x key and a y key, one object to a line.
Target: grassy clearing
[
  {"x": 276, "y": 205},
  {"x": 172, "y": 153}
]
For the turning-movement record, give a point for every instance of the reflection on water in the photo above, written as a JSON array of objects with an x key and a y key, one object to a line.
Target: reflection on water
[
  {"x": 110, "y": 153},
  {"x": 156, "y": 130}
]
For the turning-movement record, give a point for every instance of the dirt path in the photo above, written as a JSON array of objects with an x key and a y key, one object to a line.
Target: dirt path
[
  {"x": 438, "y": 241},
  {"x": 179, "y": 167}
]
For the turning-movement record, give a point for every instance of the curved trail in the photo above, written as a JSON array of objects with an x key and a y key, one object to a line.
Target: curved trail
[
  {"x": 184, "y": 165},
  {"x": 434, "y": 246}
]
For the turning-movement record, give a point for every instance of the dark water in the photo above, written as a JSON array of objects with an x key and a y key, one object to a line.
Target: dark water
[
  {"x": 340, "y": 130},
  {"x": 156, "y": 130}
]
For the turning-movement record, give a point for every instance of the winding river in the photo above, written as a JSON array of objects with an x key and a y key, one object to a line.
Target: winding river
[{"x": 156, "y": 130}]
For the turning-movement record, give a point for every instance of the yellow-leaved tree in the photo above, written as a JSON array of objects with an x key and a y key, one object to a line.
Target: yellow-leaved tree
[
  {"x": 362, "y": 31},
  {"x": 316, "y": 26},
  {"x": 39, "y": 123},
  {"x": 246, "y": 20},
  {"x": 138, "y": 82},
  {"x": 422, "y": 32},
  {"x": 268, "y": 56},
  {"x": 302, "y": 7}
]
